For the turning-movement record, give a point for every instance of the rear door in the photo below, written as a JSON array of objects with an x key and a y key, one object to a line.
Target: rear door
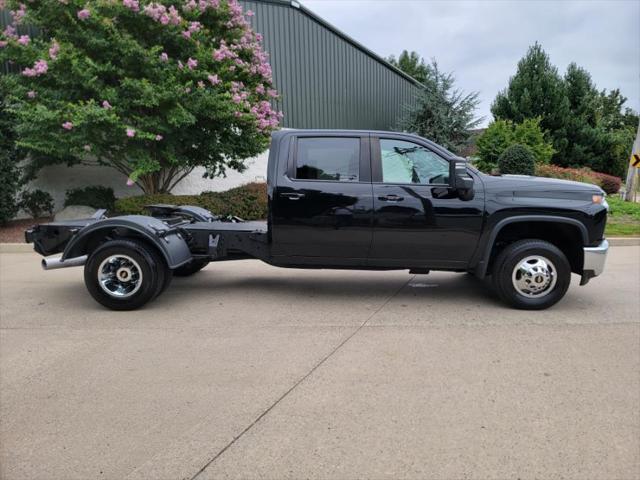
[
  {"x": 419, "y": 219},
  {"x": 322, "y": 206}
]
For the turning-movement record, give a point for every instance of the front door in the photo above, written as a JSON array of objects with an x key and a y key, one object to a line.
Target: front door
[
  {"x": 322, "y": 207},
  {"x": 419, "y": 220}
]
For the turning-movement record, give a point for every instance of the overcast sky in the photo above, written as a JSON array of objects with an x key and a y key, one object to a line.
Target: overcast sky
[{"x": 482, "y": 41}]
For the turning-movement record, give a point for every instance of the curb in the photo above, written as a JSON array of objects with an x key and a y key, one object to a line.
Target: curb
[
  {"x": 624, "y": 241},
  {"x": 28, "y": 248},
  {"x": 16, "y": 248}
]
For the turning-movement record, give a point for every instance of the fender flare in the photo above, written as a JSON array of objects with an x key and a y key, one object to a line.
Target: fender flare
[
  {"x": 171, "y": 245},
  {"x": 483, "y": 262}
]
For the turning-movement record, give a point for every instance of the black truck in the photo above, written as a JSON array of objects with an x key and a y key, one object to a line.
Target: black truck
[{"x": 345, "y": 199}]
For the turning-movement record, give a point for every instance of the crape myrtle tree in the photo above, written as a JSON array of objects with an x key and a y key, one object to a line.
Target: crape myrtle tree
[{"x": 152, "y": 89}]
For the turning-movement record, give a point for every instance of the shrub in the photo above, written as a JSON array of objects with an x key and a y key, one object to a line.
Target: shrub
[
  {"x": 501, "y": 134},
  {"x": 608, "y": 183},
  {"x": 495, "y": 140},
  {"x": 95, "y": 196},
  {"x": 8, "y": 188},
  {"x": 576, "y": 174},
  {"x": 10, "y": 174},
  {"x": 36, "y": 203},
  {"x": 247, "y": 201},
  {"x": 517, "y": 160}
]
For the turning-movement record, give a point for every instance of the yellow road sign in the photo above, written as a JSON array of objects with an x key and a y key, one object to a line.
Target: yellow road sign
[{"x": 635, "y": 160}]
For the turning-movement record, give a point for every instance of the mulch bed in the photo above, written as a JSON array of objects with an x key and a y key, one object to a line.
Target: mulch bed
[{"x": 13, "y": 231}]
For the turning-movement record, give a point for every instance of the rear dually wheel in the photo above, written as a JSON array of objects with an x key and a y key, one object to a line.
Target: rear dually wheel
[{"x": 125, "y": 274}]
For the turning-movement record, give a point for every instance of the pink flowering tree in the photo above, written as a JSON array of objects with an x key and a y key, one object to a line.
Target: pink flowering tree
[{"x": 152, "y": 89}]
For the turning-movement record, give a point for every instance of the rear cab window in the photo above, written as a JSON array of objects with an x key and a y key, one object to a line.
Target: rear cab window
[{"x": 328, "y": 158}]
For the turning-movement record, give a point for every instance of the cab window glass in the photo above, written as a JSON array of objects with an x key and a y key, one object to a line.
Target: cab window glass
[
  {"x": 407, "y": 162},
  {"x": 328, "y": 158}
]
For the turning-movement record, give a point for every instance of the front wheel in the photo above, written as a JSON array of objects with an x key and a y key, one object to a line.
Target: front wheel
[
  {"x": 124, "y": 274},
  {"x": 531, "y": 274}
]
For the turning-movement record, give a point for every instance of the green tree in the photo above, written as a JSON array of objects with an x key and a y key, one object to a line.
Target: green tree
[
  {"x": 536, "y": 90},
  {"x": 497, "y": 137},
  {"x": 501, "y": 134},
  {"x": 599, "y": 132},
  {"x": 587, "y": 127},
  {"x": 621, "y": 123},
  {"x": 412, "y": 64},
  {"x": 584, "y": 139},
  {"x": 442, "y": 113},
  {"x": 613, "y": 113},
  {"x": 151, "y": 89}
]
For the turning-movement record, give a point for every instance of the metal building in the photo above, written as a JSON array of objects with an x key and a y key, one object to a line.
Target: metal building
[{"x": 325, "y": 78}]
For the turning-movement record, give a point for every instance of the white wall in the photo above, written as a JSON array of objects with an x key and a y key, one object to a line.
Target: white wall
[{"x": 59, "y": 178}]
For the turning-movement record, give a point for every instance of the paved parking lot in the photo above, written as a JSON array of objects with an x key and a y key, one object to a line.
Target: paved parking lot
[{"x": 249, "y": 371}]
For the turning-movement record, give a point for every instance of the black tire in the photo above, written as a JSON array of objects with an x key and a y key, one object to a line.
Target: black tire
[
  {"x": 165, "y": 274},
  {"x": 504, "y": 276},
  {"x": 139, "y": 259},
  {"x": 190, "y": 268}
]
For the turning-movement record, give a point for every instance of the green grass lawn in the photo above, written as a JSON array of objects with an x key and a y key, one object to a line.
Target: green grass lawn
[{"x": 624, "y": 218}]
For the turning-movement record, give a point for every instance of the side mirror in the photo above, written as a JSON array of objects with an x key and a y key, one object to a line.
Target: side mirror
[{"x": 462, "y": 182}]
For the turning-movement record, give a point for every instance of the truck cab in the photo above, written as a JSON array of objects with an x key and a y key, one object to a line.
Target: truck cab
[{"x": 370, "y": 199}]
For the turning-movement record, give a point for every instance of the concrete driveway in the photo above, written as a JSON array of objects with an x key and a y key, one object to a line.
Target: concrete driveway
[{"x": 249, "y": 371}]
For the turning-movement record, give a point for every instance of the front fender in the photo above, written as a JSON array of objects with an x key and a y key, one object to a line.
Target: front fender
[
  {"x": 483, "y": 252},
  {"x": 170, "y": 244}
]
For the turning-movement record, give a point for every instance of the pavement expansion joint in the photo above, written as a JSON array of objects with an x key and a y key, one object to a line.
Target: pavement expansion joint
[{"x": 307, "y": 375}]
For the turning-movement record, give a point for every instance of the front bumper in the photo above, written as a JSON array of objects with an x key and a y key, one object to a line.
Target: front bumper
[{"x": 594, "y": 260}]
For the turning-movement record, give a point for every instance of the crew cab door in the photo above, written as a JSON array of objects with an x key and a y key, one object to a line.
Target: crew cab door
[
  {"x": 322, "y": 205},
  {"x": 419, "y": 219}
]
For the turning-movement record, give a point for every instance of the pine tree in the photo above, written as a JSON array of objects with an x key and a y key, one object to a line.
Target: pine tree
[
  {"x": 536, "y": 90},
  {"x": 411, "y": 64},
  {"x": 443, "y": 113}
]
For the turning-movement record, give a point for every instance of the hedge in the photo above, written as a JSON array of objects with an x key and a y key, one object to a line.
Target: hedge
[
  {"x": 36, "y": 203},
  {"x": 247, "y": 201},
  {"x": 608, "y": 183},
  {"x": 95, "y": 196},
  {"x": 9, "y": 186}
]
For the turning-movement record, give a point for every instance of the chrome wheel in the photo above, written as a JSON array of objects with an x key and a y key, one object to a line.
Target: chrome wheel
[
  {"x": 534, "y": 276},
  {"x": 120, "y": 276}
]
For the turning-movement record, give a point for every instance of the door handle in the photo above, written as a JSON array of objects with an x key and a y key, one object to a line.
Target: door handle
[
  {"x": 292, "y": 195},
  {"x": 391, "y": 198}
]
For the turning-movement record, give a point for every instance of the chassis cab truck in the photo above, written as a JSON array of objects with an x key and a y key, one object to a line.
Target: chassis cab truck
[{"x": 344, "y": 199}]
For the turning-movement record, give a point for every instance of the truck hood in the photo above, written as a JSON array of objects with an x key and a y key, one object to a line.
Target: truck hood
[{"x": 529, "y": 186}]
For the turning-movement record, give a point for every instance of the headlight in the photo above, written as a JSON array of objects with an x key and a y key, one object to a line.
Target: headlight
[{"x": 600, "y": 200}]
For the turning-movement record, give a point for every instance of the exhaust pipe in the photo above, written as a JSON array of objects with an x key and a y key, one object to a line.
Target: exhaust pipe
[{"x": 56, "y": 262}]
